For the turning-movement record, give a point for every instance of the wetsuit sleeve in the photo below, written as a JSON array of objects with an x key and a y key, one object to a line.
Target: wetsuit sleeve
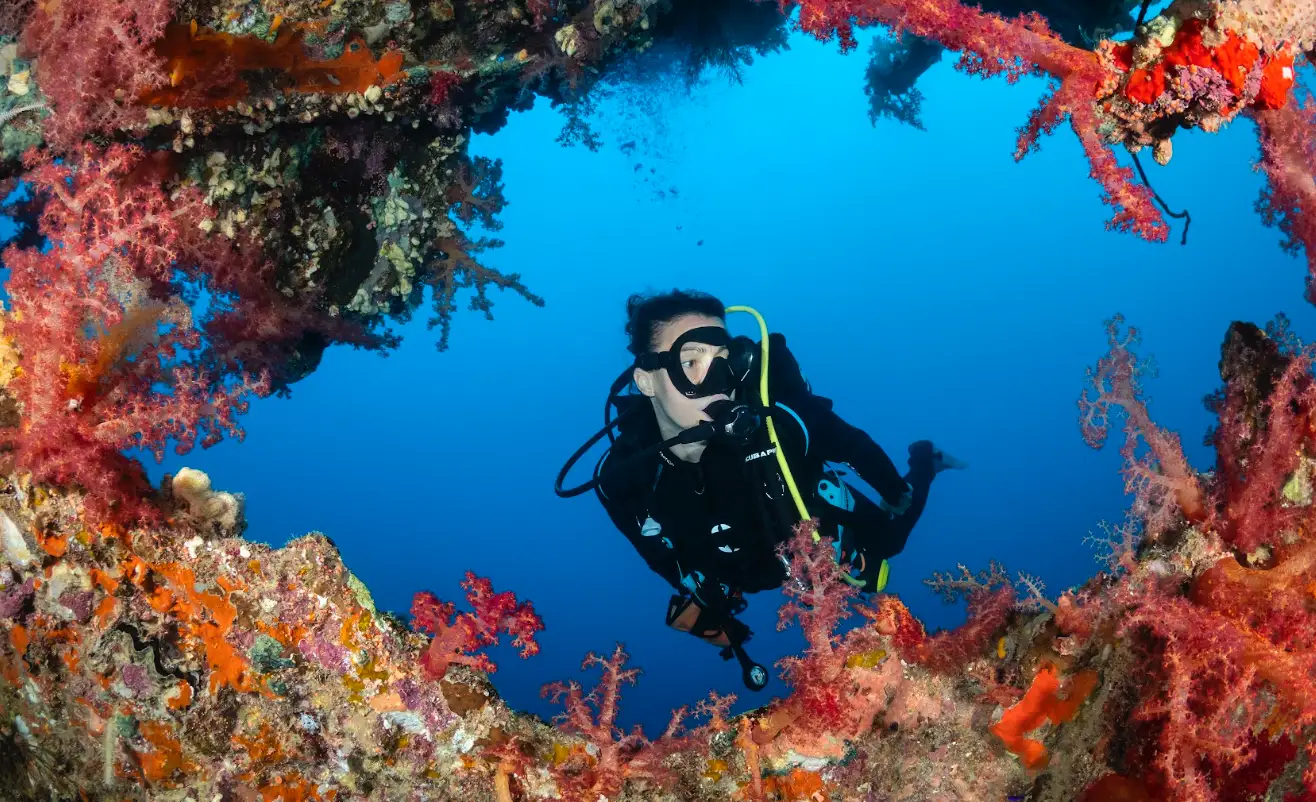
[
  {"x": 831, "y": 438},
  {"x": 624, "y": 502}
]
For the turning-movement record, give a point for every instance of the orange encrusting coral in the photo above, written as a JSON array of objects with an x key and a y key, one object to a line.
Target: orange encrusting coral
[
  {"x": 207, "y": 617},
  {"x": 1234, "y": 59},
  {"x": 166, "y": 756},
  {"x": 800, "y": 785},
  {"x": 206, "y": 68},
  {"x": 1043, "y": 701}
]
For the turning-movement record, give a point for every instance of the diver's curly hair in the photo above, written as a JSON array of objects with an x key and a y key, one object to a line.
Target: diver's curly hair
[{"x": 647, "y": 314}]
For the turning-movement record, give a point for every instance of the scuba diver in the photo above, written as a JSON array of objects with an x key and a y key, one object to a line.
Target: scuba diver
[{"x": 706, "y": 492}]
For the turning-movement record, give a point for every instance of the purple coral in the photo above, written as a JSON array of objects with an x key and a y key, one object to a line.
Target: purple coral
[
  {"x": 136, "y": 679},
  {"x": 78, "y": 602},
  {"x": 13, "y": 601}
]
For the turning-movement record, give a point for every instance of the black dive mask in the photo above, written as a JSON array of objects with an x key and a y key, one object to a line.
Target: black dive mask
[{"x": 693, "y": 372}]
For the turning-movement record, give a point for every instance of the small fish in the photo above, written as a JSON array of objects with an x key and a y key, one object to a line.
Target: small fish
[{"x": 700, "y": 242}]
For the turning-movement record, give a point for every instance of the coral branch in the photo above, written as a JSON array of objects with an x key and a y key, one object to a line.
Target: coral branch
[
  {"x": 990, "y": 46},
  {"x": 618, "y": 756},
  {"x": 1162, "y": 481},
  {"x": 1288, "y": 150},
  {"x": 103, "y": 350},
  {"x": 96, "y": 57},
  {"x": 456, "y": 634}
]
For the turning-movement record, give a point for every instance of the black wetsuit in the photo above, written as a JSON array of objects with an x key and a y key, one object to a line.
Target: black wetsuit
[{"x": 710, "y": 528}]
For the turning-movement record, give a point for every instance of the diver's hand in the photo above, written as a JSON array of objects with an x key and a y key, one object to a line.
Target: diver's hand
[
  {"x": 902, "y": 504},
  {"x": 685, "y": 614}
]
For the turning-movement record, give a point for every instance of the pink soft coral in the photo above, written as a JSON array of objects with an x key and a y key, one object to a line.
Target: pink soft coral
[
  {"x": 1288, "y": 150},
  {"x": 458, "y": 634},
  {"x": 1228, "y": 662},
  {"x": 1162, "y": 481},
  {"x": 990, "y": 597},
  {"x": 1258, "y": 448},
  {"x": 617, "y": 757},
  {"x": 1221, "y": 682},
  {"x": 94, "y": 59},
  {"x": 819, "y": 599}
]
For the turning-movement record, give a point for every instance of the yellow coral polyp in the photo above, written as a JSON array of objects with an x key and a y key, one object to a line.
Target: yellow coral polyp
[
  {"x": 866, "y": 659},
  {"x": 715, "y": 769},
  {"x": 560, "y": 754}
]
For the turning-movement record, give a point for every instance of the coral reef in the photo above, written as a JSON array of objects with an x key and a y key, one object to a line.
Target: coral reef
[
  {"x": 1197, "y": 64},
  {"x": 178, "y": 659},
  {"x": 304, "y": 165}
]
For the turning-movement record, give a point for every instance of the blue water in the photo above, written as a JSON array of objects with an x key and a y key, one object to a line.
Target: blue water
[{"x": 929, "y": 284}]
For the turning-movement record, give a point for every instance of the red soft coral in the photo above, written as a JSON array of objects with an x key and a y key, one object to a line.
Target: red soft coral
[
  {"x": 94, "y": 58},
  {"x": 1221, "y": 682},
  {"x": 104, "y": 342},
  {"x": 456, "y": 635},
  {"x": 991, "y": 597},
  {"x": 991, "y": 45},
  {"x": 1227, "y": 661},
  {"x": 1259, "y": 447}
]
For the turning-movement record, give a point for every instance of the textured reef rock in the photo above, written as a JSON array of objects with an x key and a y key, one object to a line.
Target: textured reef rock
[{"x": 181, "y": 661}]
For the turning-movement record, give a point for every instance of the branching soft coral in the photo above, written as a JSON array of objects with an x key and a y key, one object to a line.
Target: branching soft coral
[
  {"x": 1227, "y": 672},
  {"x": 475, "y": 197},
  {"x": 1288, "y": 150},
  {"x": 94, "y": 57},
  {"x": 1222, "y": 682},
  {"x": 819, "y": 599},
  {"x": 457, "y": 634},
  {"x": 1162, "y": 481},
  {"x": 1259, "y": 440},
  {"x": 1194, "y": 65},
  {"x": 103, "y": 344},
  {"x": 991, "y": 45},
  {"x": 616, "y": 757},
  {"x": 990, "y": 597}
]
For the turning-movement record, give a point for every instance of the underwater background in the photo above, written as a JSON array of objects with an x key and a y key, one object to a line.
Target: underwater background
[{"x": 928, "y": 283}]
